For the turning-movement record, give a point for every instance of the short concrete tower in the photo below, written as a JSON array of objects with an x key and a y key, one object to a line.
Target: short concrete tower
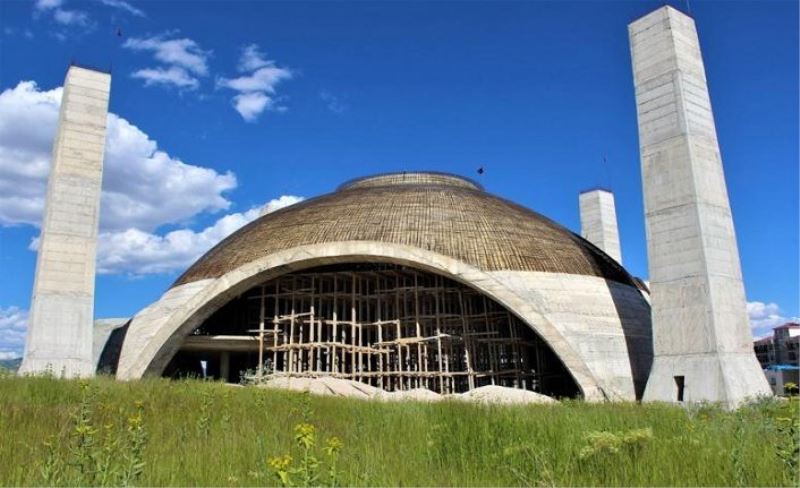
[
  {"x": 599, "y": 221},
  {"x": 62, "y": 308},
  {"x": 702, "y": 343}
]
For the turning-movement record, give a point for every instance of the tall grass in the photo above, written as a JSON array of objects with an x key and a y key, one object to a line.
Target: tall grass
[{"x": 208, "y": 434}]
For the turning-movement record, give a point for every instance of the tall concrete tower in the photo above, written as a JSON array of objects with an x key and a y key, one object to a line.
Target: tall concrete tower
[
  {"x": 62, "y": 308},
  {"x": 702, "y": 343},
  {"x": 599, "y": 221}
]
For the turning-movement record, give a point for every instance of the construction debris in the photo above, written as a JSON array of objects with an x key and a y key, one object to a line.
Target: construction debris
[
  {"x": 503, "y": 395},
  {"x": 491, "y": 394}
]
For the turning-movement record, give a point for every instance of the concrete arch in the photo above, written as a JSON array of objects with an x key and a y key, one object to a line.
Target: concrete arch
[{"x": 156, "y": 333}]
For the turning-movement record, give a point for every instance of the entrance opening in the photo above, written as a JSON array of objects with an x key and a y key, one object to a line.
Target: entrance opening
[
  {"x": 389, "y": 326},
  {"x": 679, "y": 384}
]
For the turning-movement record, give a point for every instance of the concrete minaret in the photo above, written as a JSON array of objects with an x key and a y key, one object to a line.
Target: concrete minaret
[
  {"x": 702, "y": 343},
  {"x": 62, "y": 308},
  {"x": 599, "y": 221}
]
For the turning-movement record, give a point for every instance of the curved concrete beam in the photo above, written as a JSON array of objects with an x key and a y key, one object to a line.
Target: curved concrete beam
[{"x": 156, "y": 333}]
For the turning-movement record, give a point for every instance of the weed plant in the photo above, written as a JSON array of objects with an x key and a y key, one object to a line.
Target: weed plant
[{"x": 158, "y": 432}]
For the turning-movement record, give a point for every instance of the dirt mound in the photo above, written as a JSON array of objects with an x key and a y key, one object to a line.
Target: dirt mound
[
  {"x": 325, "y": 386},
  {"x": 490, "y": 394},
  {"x": 416, "y": 394},
  {"x": 504, "y": 395}
]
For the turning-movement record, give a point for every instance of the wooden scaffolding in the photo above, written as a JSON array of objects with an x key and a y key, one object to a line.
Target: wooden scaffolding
[{"x": 390, "y": 327}]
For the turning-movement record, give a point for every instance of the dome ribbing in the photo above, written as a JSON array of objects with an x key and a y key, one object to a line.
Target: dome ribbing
[{"x": 442, "y": 213}]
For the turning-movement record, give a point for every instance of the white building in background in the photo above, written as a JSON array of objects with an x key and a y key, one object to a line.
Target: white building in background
[{"x": 779, "y": 355}]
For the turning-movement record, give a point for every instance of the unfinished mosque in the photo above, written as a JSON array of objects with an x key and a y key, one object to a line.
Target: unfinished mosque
[
  {"x": 423, "y": 280},
  {"x": 409, "y": 280}
]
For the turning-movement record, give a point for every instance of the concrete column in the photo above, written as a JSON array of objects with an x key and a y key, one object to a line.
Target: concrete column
[
  {"x": 225, "y": 366},
  {"x": 62, "y": 307},
  {"x": 701, "y": 332},
  {"x": 599, "y": 221}
]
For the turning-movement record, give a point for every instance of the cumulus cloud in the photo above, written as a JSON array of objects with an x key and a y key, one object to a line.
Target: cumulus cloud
[
  {"x": 124, "y": 6},
  {"x": 256, "y": 90},
  {"x": 135, "y": 252},
  {"x": 766, "y": 316},
  {"x": 13, "y": 326},
  {"x": 143, "y": 186},
  {"x": 183, "y": 57},
  {"x": 279, "y": 203}
]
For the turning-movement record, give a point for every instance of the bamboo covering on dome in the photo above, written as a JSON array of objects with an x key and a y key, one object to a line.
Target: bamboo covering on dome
[{"x": 431, "y": 211}]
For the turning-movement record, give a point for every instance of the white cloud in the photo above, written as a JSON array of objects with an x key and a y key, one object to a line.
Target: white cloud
[
  {"x": 279, "y": 203},
  {"x": 62, "y": 16},
  {"x": 764, "y": 317},
  {"x": 123, "y": 5},
  {"x": 184, "y": 52},
  {"x": 263, "y": 79},
  {"x": 71, "y": 17},
  {"x": 256, "y": 90},
  {"x": 136, "y": 252},
  {"x": 173, "y": 75},
  {"x": 13, "y": 327},
  {"x": 333, "y": 102},
  {"x": 143, "y": 186},
  {"x": 184, "y": 60},
  {"x": 252, "y": 58},
  {"x": 12, "y": 32},
  {"x": 48, "y": 4},
  {"x": 250, "y": 105}
]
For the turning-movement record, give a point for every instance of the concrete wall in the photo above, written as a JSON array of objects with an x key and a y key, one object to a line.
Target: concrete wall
[
  {"x": 591, "y": 324},
  {"x": 700, "y": 326},
  {"x": 599, "y": 221},
  {"x": 103, "y": 328},
  {"x": 607, "y": 323},
  {"x": 61, "y": 314}
]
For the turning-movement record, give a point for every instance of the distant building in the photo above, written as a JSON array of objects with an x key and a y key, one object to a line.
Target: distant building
[
  {"x": 779, "y": 356},
  {"x": 786, "y": 339},
  {"x": 765, "y": 351}
]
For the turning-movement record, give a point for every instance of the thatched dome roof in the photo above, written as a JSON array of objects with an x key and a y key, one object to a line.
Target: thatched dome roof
[{"x": 438, "y": 212}]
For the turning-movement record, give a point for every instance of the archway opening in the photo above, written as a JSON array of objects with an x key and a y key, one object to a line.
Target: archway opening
[{"x": 387, "y": 325}]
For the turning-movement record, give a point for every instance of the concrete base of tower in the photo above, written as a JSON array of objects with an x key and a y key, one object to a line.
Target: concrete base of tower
[
  {"x": 63, "y": 351},
  {"x": 726, "y": 378}
]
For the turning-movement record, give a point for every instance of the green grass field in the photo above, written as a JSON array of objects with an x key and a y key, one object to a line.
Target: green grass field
[{"x": 158, "y": 432}]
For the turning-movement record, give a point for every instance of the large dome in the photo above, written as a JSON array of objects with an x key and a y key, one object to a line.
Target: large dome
[
  {"x": 421, "y": 276},
  {"x": 438, "y": 212}
]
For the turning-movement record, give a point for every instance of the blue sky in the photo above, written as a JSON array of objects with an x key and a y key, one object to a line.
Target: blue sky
[{"x": 223, "y": 107}]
